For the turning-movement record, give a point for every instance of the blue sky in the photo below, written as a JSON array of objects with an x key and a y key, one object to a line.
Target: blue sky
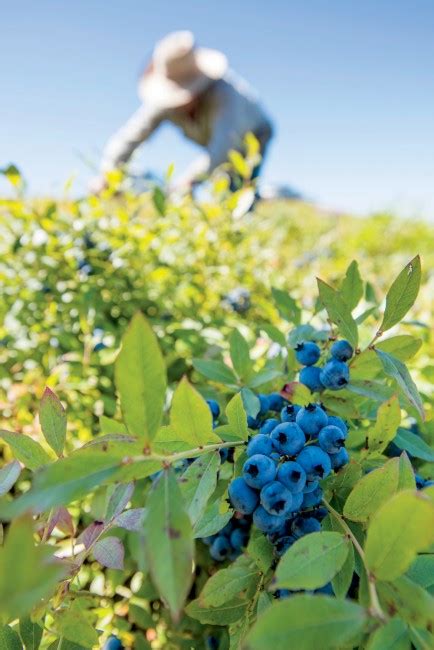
[{"x": 349, "y": 84}]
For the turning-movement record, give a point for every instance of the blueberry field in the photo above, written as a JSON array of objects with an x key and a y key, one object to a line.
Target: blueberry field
[{"x": 216, "y": 428}]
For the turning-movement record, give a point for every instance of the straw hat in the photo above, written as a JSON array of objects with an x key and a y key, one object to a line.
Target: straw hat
[{"x": 179, "y": 71}]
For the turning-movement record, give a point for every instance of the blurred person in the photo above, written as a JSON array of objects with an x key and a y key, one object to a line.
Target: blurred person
[{"x": 193, "y": 88}]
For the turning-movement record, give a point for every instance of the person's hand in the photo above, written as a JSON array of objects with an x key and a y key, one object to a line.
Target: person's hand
[{"x": 97, "y": 185}]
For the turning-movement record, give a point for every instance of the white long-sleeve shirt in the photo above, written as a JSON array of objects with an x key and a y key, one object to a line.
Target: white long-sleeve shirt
[{"x": 225, "y": 113}]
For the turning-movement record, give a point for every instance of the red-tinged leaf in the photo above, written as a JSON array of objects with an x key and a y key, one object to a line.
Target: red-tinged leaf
[
  {"x": 90, "y": 534},
  {"x": 131, "y": 520},
  {"x": 110, "y": 552}
]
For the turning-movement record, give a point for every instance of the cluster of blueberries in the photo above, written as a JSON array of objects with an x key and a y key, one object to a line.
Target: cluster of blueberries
[
  {"x": 279, "y": 489},
  {"x": 335, "y": 373},
  {"x": 279, "y": 486},
  {"x": 229, "y": 542}
]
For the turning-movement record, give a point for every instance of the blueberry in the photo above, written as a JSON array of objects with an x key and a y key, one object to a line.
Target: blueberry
[
  {"x": 276, "y": 402},
  {"x": 253, "y": 423},
  {"x": 282, "y": 593},
  {"x": 212, "y": 643},
  {"x": 283, "y": 544},
  {"x": 315, "y": 462},
  {"x": 113, "y": 643},
  {"x": 340, "y": 459},
  {"x": 304, "y": 525},
  {"x": 242, "y": 497},
  {"x": 331, "y": 439},
  {"x": 335, "y": 375},
  {"x": 312, "y": 418},
  {"x": 310, "y": 377},
  {"x": 292, "y": 475},
  {"x": 327, "y": 589},
  {"x": 265, "y": 522},
  {"x": 224, "y": 453},
  {"x": 276, "y": 499},
  {"x": 239, "y": 539},
  {"x": 99, "y": 346},
  {"x": 265, "y": 404},
  {"x": 420, "y": 481},
  {"x": 312, "y": 499},
  {"x": 297, "y": 501},
  {"x": 209, "y": 540},
  {"x": 258, "y": 470},
  {"x": 260, "y": 444},
  {"x": 288, "y": 438},
  {"x": 307, "y": 353},
  {"x": 289, "y": 412},
  {"x": 275, "y": 456},
  {"x": 268, "y": 426},
  {"x": 341, "y": 350},
  {"x": 220, "y": 548},
  {"x": 320, "y": 513},
  {"x": 311, "y": 485},
  {"x": 338, "y": 422},
  {"x": 214, "y": 408}
]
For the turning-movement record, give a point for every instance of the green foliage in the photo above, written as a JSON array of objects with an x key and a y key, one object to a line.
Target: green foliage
[{"x": 104, "y": 507}]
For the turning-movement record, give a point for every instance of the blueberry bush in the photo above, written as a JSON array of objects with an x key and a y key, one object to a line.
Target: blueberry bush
[{"x": 272, "y": 490}]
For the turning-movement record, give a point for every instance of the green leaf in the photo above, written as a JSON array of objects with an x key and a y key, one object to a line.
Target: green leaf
[
  {"x": 251, "y": 402},
  {"x": 342, "y": 580},
  {"x": 401, "y": 528},
  {"x": 402, "y": 294},
  {"x": 190, "y": 416},
  {"x": 371, "y": 491},
  {"x": 211, "y": 521},
  {"x": 264, "y": 376},
  {"x": 198, "y": 483},
  {"x": 72, "y": 624},
  {"x": 312, "y": 561},
  {"x": 52, "y": 418},
  {"x": 31, "y": 633},
  {"x": 352, "y": 286},
  {"x": 421, "y": 571},
  {"x": 225, "y": 614},
  {"x": 228, "y": 583},
  {"x": 274, "y": 334},
  {"x": 159, "y": 200},
  {"x": 141, "y": 380},
  {"x": 307, "y": 622},
  {"x": 338, "y": 312},
  {"x": 62, "y": 482},
  {"x": 402, "y": 347},
  {"x": 110, "y": 426},
  {"x": 25, "y": 449},
  {"x": 216, "y": 371},
  {"x": 414, "y": 445},
  {"x": 260, "y": 549},
  {"x": 287, "y": 306},
  {"x": 387, "y": 422},
  {"x": 408, "y": 600},
  {"x": 421, "y": 639},
  {"x": 169, "y": 542},
  {"x": 398, "y": 371},
  {"x": 406, "y": 478},
  {"x": 9, "y": 639},
  {"x": 240, "y": 355},
  {"x": 237, "y": 417},
  {"x": 28, "y": 573},
  {"x": 392, "y": 636},
  {"x": 8, "y": 476},
  {"x": 119, "y": 498}
]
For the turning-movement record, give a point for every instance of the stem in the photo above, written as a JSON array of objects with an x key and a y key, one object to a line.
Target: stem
[
  {"x": 197, "y": 451},
  {"x": 375, "y": 608}
]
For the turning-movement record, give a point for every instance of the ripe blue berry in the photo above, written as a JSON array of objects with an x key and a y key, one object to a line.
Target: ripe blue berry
[
  {"x": 341, "y": 350},
  {"x": 242, "y": 497},
  {"x": 310, "y": 377},
  {"x": 275, "y": 402},
  {"x": 315, "y": 462},
  {"x": 253, "y": 423},
  {"x": 265, "y": 404},
  {"x": 331, "y": 439},
  {"x": 312, "y": 499},
  {"x": 338, "y": 422},
  {"x": 304, "y": 525},
  {"x": 239, "y": 538},
  {"x": 289, "y": 412},
  {"x": 276, "y": 499},
  {"x": 292, "y": 475},
  {"x": 214, "y": 408},
  {"x": 260, "y": 444},
  {"x": 265, "y": 522},
  {"x": 288, "y": 439},
  {"x": 311, "y": 485},
  {"x": 307, "y": 353},
  {"x": 340, "y": 459},
  {"x": 335, "y": 375},
  {"x": 297, "y": 500},
  {"x": 220, "y": 548},
  {"x": 113, "y": 643},
  {"x": 283, "y": 544},
  {"x": 282, "y": 593},
  {"x": 268, "y": 426},
  {"x": 258, "y": 470},
  {"x": 312, "y": 418}
]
